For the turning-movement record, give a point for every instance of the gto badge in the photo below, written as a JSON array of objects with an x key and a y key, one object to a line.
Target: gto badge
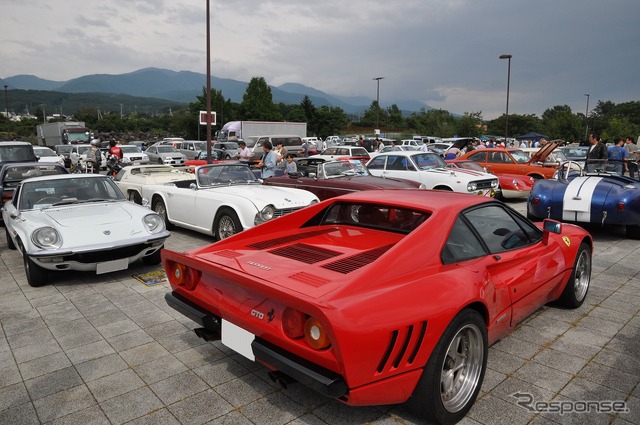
[
  {"x": 256, "y": 313},
  {"x": 107, "y": 232},
  {"x": 566, "y": 240}
]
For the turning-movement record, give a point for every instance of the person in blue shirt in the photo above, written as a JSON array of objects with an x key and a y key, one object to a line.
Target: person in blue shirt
[
  {"x": 268, "y": 162},
  {"x": 618, "y": 157}
]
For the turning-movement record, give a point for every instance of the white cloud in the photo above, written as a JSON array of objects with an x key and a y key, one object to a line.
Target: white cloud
[{"x": 443, "y": 52}]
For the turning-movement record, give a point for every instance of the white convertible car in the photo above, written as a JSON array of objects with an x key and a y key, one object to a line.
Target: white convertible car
[
  {"x": 131, "y": 179},
  {"x": 79, "y": 222},
  {"x": 430, "y": 169},
  {"x": 223, "y": 199}
]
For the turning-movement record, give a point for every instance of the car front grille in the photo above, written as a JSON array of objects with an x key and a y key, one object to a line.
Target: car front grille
[
  {"x": 483, "y": 184},
  {"x": 284, "y": 211},
  {"x": 109, "y": 254}
]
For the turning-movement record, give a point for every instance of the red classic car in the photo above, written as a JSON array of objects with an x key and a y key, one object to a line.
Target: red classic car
[
  {"x": 335, "y": 178},
  {"x": 512, "y": 186},
  {"x": 514, "y": 161},
  {"x": 381, "y": 296}
]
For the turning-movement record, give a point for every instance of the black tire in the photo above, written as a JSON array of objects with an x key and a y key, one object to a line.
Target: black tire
[
  {"x": 447, "y": 390},
  {"x": 633, "y": 232},
  {"x": 160, "y": 208},
  {"x": 153, "y": 259},
  {"x": 135, "y": 197},
  {"x": 445, "y": 188},
  {"x": 577, "y": 287},
  {"x": 10, "y": 243},
  {"x": 36, "y": 275},
  {"x": 160, "y": 161},
  {"x": 226, "y": 224}
]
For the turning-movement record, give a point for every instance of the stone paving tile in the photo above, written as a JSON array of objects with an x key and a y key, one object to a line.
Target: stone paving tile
[
  {"x": 244, "y": 390},
  {"x": 64, "y": 403},
  {"x": 277, "y": 409},
  {"x": 129, "y": 340},
  {"x": 19, "y": 414},
  {"x": 201, "y": 408},
  {"x": 160, "y": 369},
  {"x": 200, "y": 355},
  {"x": 543, "y": 376},
  {"x": 158, "y": 417},
  {"x": 495, "y": 411},
  {"x": 53, "y": 382},
  {"x": 609, "y": 377},
  {"x": 87, "y": 352},
  {"x": 43, "y": 365},
  {"x": 221, "y": 371},
  {"x": 9, "y": 374},
  {"x": 120, "y": 327},
  {"x": 114, "y": 385},
  {"x": 131, "y": 405},
  {"x": 90, "y": 416},
  {"x": 24, "y": 326},
  {"x": 100, "y": 367},
  {"x": 178, "y": 387},
  {"x": 29, "y": 337},
  {"x": 13, "y": 395},
  {"x": 561, "y": 361},
  {"x": 74, "y": 334},
  {"x": 143, "y": 353}
]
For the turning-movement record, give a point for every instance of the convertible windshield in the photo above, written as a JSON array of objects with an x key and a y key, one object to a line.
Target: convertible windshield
[
  {"x": 342, "y": 168},
  {"x": 383, "y": 217},
  {"x": 215, "y": 175},
  {"x": 520, "y": 156},
  {"x": 45, "y": 193},
  {"x": 427, "y": 161}
]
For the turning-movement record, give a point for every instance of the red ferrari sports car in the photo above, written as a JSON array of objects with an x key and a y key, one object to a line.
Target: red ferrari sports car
[{"x": 381, "y": 296}]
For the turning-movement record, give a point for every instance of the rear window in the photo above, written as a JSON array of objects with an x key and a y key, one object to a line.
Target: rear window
[
  {"x": 383, "y": 217},
  {"x": 17, "y": 153},
  {"x": 19, "y": 173}
]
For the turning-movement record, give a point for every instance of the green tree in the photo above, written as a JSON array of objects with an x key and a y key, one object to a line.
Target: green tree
[
  {"x": 560, "y": 122},
  {"x": 469, "y": 124},
  {"x": 518, "y": 125},
  {"x": 395, "y": 120},
  {"x": 330, "y": 120},
  {"x": 257, "y": 102}
]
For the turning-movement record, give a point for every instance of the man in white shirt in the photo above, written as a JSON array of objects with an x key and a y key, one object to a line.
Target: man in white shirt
[{"x": 245, "y": 153}]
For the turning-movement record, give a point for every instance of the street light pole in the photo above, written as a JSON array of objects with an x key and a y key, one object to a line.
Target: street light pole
[
  {"x": 586, "y": 119},
  {"x": 208, "y": 86},
  {"x": 506, "y": 121},
  {"x": 378, "y": 100},
  {"x": 6, "y": 102}
]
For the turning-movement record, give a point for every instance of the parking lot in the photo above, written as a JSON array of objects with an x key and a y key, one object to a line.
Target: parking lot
[{"x": 108, "y": 350}]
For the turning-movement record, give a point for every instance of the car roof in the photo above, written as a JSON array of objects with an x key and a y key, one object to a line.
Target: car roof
[
  {"x": 67, "y": 176},
  {"x": 14, "y": 143},
  {"x": 418, "y": 199}
]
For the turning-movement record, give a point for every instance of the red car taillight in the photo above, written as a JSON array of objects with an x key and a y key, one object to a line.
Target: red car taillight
[
  {"x": 620, "y": 206},
  {"x": 293, "y": 323},
  {"x": 536, "y": 201},
  {"x": 315, "y": 334},
  {"x": 181, "y": 275}
]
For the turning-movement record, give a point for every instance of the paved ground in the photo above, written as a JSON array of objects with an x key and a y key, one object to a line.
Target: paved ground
[{"x": 107, "y": 350}]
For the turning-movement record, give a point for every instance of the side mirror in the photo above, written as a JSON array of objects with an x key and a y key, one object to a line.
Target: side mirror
[
  {"x": 312, "y": 175},
  {"x": 550, "y": 226}
]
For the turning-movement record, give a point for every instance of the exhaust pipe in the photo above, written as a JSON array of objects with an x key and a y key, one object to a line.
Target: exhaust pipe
[
  {"x": 280, "y": 378},
  {"x": 207, "y": 334}
]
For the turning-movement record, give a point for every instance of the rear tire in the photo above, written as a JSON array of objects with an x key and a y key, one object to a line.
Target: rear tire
[
  {"x": 160, "y": 161},
  {"x": 454, "y": 373},
  {"x": 226, "y": 224},
  {"x": 633, "y": 232},
  {"x": 135, "y": 197},
  {"x": 577, "y": 287}
]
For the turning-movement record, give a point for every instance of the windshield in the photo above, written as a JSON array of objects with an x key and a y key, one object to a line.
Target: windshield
[
  {"x": 44, "y": 152},
  {"x": 16, "y": 173},
  {"x": 520, "y": 156},
  {"x": 78, "y": 137},
  {"x": 382, "y": 217},
  {"x": 427, "y": 161},
  {"x": 129, "y": 149},
  {"x": 166, "y": 149},
  {"x": 470, "y": 166},
  {"x": 215, "y": 175},
  {"x": 577, "y": 152},
  {"x": 342, "y": 168},
  {"x": 82, "y": 149},
  {"x": 13, "y": 153},
  {"x": 64, "y": 148},
  {"x": 46, "y": 193}
]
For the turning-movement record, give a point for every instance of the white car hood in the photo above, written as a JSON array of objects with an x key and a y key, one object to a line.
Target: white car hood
[
  {"x": 463, "y": 174},
  {"x": 81, "y": 215},
  {"x": 279, "y": 197}
]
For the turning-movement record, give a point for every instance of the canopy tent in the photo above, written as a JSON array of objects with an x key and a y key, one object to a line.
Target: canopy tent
[{"x": 532, "y": 136}]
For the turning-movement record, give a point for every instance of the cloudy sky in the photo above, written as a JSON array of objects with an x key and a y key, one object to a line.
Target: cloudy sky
[{"x": 440, "y": 52}]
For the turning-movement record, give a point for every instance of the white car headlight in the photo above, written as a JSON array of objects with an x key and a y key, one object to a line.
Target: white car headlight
[
  {"x": 46, "y": 237},
  {"x": 472, "y": 187},
  {"x": 495, "y": 184},
  {"x": 265, "y": 214},
  {"x": 153, "y": 223}
]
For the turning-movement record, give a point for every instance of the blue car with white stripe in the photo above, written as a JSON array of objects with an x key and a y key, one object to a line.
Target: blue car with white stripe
[{"x": 596, "y": 196}]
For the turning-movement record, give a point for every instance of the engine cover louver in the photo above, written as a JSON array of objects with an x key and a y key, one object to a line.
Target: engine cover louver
[
  {"x": 349, "y": 264},
  {"x": 306, "y": 253},
  {"x": 290, "y": 238}
]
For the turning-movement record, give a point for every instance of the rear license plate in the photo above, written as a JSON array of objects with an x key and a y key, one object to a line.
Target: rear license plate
[
  {"x": 238, "y": 339},
  {"x": 112, "y": 266}
]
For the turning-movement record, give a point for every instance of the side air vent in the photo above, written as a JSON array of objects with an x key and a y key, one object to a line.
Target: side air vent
[
  {"x": 306, "y": 253},
  {"x": 291, "y": 238},
  {"x": 404, "y": 344},
  {"x": 227, "y": 253},
  {"x": 349, "y": 264},
  {"x": 309, "y": 279}
]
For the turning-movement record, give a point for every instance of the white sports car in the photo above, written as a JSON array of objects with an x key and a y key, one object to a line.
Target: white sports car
[
  {"x": 79, "y": 222},
  {"x": 430, "y": 169},
  {"x": 131, "y": 179},
  {"x": 223, "y": 199}
]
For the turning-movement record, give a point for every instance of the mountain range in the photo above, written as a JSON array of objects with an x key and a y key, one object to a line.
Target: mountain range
[{"x": 184, "y": 86}]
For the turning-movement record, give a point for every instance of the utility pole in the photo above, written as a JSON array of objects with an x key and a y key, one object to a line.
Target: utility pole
[{"x": 378, "y": 100}]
